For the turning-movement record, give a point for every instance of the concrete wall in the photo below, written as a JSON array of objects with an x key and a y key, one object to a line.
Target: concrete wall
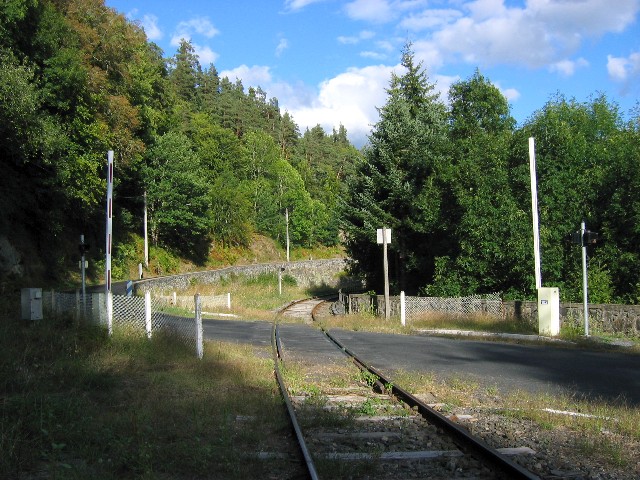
[
  {"x": 602, "y": 318},
  {"x": 308, "y": 274}
]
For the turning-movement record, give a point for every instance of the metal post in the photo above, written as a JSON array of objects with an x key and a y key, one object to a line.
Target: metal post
[
  {"x": 108, "y": 239},
  {"x": 199, "y": 341},
  {"x": 585, "y": 281},
  {"x": 286, "y": 214},
  {"x": 534, "y": 211},
  {"x": 147, "y": 312},
  {"x": 84, "y": 278},
  {"x": 386, "y": 275},
  {"x": 109, "y": 301},
  {"x": 146, "y": 237}
]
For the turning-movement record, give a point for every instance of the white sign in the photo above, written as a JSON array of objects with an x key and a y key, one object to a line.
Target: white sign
[{"x": 388, "y": 234}]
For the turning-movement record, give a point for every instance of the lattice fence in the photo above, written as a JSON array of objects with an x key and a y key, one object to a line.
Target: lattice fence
[
  {"x": 131, "y": 312},
  {"x": 489, "y": 305}
]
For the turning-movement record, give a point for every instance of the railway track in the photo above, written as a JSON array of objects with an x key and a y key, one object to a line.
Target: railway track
[{"x": 353, "y": 422}]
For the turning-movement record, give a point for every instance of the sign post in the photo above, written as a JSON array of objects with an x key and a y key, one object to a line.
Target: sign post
[
  {"x": 534, "y": 211},
  {"x": 108, "y": 241},
  {"x": 384, "y": 237},
  {"x": 83, "y": 265}
]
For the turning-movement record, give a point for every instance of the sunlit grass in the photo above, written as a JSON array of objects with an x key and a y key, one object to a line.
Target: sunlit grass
[
  {"x": 78, "y": 404},
  {"x": 253, "y": 298},
  {"x": 606, "y": 431}
]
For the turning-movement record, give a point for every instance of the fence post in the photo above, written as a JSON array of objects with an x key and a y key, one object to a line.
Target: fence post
[
  {"x": 109, "y": 301},
  {"x": 199, "y": 347},
  {"x": 147, "y": 312},
  {"x": 175, "y": 299},
  {"x": 402, "y": 310},
  {"x": 77, "y": 305},
  {"x": 229, "y": 301}
]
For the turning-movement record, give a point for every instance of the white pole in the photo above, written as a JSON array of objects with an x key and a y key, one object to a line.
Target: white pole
[
  {"x": 84, "y": 279},
  {"x": 386, "y": 274},
  {"x": 147, "y": 312},
  {"x": 199, "y": 337},
  {"x": 585, "y": 281},
  {"x": 534, "y": 211},
  {"x": 286, "y": 214},
  {"x": 146, "y": 236},
  {"x": 403, "y": 314},
  {"x": 109, "y": 297},
  {"x": 109, "y": 220},
  {"x": 229, "y": 301}
]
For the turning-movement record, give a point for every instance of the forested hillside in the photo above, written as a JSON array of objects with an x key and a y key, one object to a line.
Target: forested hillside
[
  {"x": 452, "y": 182},
  {"x": 217, "y": 161}
]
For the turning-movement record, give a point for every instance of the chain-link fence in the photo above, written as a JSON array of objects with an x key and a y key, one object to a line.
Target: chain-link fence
[
  {"x": 139, "y": 313},
  {"x": 416, "y": 307}
]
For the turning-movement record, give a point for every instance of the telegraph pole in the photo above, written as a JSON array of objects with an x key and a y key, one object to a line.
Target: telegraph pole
[{"x": 384, "y": 237}]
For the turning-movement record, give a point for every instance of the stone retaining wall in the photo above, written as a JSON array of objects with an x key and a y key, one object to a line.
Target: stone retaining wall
[
  {"x": 603, "y": 318},
  {"x": 308, "y": 274}
]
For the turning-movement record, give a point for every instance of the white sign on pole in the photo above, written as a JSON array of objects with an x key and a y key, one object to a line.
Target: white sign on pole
[{"x": 388, "y": 235}]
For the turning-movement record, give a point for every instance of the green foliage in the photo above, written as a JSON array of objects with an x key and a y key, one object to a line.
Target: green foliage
[{"x": 399, "y": 185}]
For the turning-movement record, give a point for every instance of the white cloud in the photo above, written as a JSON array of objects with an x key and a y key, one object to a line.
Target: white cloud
[
  {"x": 254, "y": 76},
  {"x": 625, "y": 70},
  {"x": 429, "y": 19},
  {"x": 567, "y": 68},
  {"x": 349, "y": 98},
  {"x": 295, "y": 5},
  {"x": 535, "y": 33},
  {"x": 150, "y": 25},
  {"x": 380, "y": 11},
  {"x": 206, "y": 56},
  {"x": 186, "y": 29},
  {"x": 376, "y": 11},
  {"x": 283, "y": 44},
  {"x": 353, "y": 40},
  {"x": 373, "y": 55}
]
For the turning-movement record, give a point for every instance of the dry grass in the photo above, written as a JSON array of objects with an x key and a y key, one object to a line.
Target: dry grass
[
  {"x": 77, "y": 404},
  {"x": 608, "y": 433}
]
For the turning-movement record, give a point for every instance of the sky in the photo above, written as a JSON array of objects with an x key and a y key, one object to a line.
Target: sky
[{"x": 329, "y": 62}]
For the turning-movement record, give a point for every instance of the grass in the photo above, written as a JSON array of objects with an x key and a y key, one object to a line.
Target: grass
[
  {"x": 77, "y": 404},
  {"x": 372, "y": 323},
  {"x": 253, "y": 298},
  {"x": 606, "y": 432}
]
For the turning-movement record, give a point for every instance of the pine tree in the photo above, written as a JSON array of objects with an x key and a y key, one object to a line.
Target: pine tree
[{"x": 398, "y": 184}]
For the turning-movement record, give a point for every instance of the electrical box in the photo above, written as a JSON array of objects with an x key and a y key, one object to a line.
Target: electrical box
[
  {"x": 549, "y": 311},
  {"x": 32, "y": 304}
]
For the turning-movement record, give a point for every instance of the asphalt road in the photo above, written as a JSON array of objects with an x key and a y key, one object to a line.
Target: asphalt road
[{"x": 509, "y": 367}]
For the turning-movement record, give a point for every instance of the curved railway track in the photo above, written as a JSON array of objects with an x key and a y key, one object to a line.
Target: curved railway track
[{"x": 364, "y": 426}]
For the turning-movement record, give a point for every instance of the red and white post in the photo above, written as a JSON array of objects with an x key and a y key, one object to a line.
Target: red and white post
[{"x": 109, "y": 296}]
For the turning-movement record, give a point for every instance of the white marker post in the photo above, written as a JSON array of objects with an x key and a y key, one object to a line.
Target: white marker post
[
  {"x": 534, "y": 212},
  {"x": 585, "y": 281},
  {"x": 146, "y": 235},
  {"x": 384, "y": 237},
  {"x": 108, "y": 241}
]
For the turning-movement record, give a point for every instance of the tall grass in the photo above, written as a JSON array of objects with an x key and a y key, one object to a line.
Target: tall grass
[{"x": 77, "y": 404}]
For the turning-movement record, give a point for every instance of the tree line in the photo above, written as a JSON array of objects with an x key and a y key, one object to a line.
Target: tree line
[
  {"x": 216, "y": 161},
  {"x": 452, "y": 182},
  {"x": 219, "y": 162}
]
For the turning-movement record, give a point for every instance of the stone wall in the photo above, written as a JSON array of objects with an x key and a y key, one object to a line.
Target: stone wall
[
  {"x": 609, "y": 318},
  {"x": 308, "y": 274}
]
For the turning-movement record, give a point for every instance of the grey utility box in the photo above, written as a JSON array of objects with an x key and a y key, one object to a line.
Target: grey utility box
[{"x": 32, "y": 304}]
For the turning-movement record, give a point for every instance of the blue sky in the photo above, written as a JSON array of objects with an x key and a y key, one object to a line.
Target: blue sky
[{"x": 329, "y": 61}]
